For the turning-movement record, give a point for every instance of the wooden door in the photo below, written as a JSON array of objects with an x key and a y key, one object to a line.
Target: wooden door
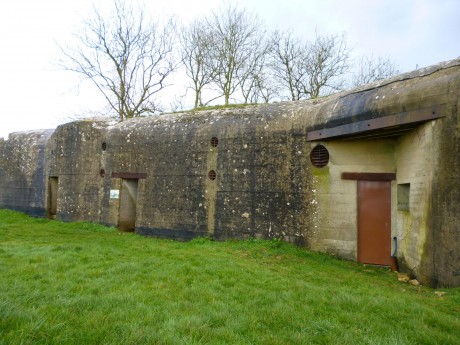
[{"x": 374, "y": 222}]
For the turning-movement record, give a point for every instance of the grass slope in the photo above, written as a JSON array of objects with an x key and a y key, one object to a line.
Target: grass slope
[{"x": 81, "y": 283}]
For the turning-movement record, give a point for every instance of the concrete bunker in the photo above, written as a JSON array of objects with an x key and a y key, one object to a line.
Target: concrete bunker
[{"x": 304, "y": 172}]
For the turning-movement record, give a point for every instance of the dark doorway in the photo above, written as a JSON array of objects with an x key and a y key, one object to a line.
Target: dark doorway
[
  {"x": 53, "y": 183},
  {"x": 128, "y": 201},
  {"x": 374, "y": 222}
]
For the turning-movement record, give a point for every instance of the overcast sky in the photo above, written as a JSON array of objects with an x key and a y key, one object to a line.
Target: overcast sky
[{"x": 35, "y": 95}]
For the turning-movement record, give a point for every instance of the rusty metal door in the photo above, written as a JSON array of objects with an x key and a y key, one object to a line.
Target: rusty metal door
[
  {"x": 128, "y": 201},
  {"x": 374, "y": 222}
]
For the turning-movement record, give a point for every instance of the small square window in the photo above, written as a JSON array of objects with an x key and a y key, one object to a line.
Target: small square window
[{"x": 403, "y": 196}]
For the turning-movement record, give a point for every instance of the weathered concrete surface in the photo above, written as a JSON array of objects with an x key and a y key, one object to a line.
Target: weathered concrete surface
[
  {"x": 75, "y": 157},
  {"x": 336, "y": 222},
  {"x": 416, "y": 158},
  {"x": 427, "y": 158},
  {"x": 248, "y": 198},
  {"x": 265, "y": 185},
  {"x": 443, "y": 209},
  {"x": 415, "y": 90},
  {"x": 22, "y": 171}
]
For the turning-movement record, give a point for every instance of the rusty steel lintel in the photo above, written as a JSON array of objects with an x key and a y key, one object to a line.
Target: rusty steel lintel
[
  {"x": 368, "y": 176},
  {"x": 129, "y": 175},
  {"x": 400, "y": 119}
]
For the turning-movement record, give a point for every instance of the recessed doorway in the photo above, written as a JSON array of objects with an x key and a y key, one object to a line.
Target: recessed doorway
[
  {"x": 53, "y": 183},
  {"x": 128, "y": 203}
]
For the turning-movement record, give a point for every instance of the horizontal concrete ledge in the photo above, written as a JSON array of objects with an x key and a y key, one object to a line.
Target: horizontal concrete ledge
[
  {"x": 397, "y": 121},
  {"x": 129, "y": 175},
  {"x": 368, "y": 176}
]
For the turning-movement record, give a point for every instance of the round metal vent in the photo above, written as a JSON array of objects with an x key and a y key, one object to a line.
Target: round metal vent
[
  {"x": 212, "y": 175},
  {"x": 319, "y": 156},
  {"x": 214, "y": 141}
]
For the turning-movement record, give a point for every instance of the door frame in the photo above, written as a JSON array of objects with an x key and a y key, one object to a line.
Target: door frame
[
  {"x": 372, "y": 177},
  {"x": 128, "y": 176}
]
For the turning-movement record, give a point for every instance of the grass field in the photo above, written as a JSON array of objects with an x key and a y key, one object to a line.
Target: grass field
[{"x": 81, "y": 283}]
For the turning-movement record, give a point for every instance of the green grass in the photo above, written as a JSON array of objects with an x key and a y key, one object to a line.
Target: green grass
[
  {"x": 81, "y": 283},
  {"x": 218, "y": 107},
  {"x": 228, "y": 106}
]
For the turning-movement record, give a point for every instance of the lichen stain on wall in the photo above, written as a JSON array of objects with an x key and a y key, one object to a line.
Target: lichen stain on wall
[
  {"x": 443, "y": 262},
  {"x": 319, "y": 200},
  {"x": 415, "y": 158}
]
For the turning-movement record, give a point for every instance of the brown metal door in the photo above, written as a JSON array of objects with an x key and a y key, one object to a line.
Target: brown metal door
[
  {"x": 128, "y": 201},
  {"x": 374, "y": 222}
]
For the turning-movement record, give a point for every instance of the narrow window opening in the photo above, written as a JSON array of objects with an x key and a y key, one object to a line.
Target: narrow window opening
[
  {"x": 104, "y": 146},
  {"x": 102, "y": 172},
  {"x": 403, "y": 193}
]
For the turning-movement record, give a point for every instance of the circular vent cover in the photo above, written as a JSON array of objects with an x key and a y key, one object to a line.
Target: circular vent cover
[
  {"x": 214, "y": 141},
  {"x": 319, "y": 156},
  {"x": 212, "y": 175}
]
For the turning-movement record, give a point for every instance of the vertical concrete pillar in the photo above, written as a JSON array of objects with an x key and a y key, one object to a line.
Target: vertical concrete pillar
[{"x": 211, "y": 184}]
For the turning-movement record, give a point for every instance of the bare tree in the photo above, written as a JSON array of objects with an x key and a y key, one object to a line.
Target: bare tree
[
  {"x": 309, "y": 70},
  {"x": 328, "y": 60},
  {"x": 251, "y": 76},
  {"x": 127, "y": 56},
  {"x": 287, "y": 55},
  {"x": 370, "y": 69},
  {"x": 264, "y": 87},
  {"x": 237, "y": 36},
  {"x": 197, "y": 44}
]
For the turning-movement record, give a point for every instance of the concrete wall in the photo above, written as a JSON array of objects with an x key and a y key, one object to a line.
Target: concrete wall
[
  {"x": 415, "y": 159},
  {"x": 262, "y": 180},
  {"x": 75, "y": 157},
  {"x": 336, "y": 228},
  {"x": 416, "y": 155},
  {"x": 173, "y": 158},
  {"x": 22, "y": 173},
  {"x": 426, "y": 158},
  {"x": 444, "y": 206}
]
